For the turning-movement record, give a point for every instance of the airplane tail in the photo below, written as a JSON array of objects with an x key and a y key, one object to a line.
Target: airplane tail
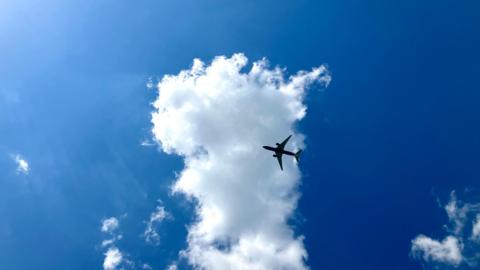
[{"x": 297, "y": 155}]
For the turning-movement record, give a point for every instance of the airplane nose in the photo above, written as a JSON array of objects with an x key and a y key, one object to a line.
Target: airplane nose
[{"x": 265, "y": 147}]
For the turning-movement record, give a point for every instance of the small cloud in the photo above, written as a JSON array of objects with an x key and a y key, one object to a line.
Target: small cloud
[
  {"x": 476, "y": 229},
  {"x": 456, "y": 248},
  {"x": 146, "y": 266},
  {"x": 109, "y": 225},
  {"x": 150, "y": 84},
  {"x": 457, "y": 214},
  {"x": 448, "y": 251},
  {"x": 150, "y": 234},
  {"x": 324, "y": 75},
  {"x": 22, "y": 164},
  {"x": 172, "y": 266},
  {"x": 111, "y": 241},
  {"x": 147, "y": 143},
  {"x": 113, "y": 258},
  {"x": 108, "y": 242}
]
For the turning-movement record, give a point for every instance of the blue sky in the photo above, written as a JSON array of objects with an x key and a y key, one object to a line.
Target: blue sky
[{"x": 387, "y": 141}]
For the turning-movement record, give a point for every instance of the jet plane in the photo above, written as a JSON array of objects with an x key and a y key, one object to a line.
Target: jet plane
[{"x": 279, "y": 151}]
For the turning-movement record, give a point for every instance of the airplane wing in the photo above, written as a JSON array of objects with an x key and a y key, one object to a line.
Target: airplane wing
[
  {"x": 279, "y": 158},
  {"x": 281, "y": 146}
]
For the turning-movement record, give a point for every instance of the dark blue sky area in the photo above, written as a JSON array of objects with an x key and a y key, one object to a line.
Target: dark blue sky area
[{"x": 396, "y": 130}]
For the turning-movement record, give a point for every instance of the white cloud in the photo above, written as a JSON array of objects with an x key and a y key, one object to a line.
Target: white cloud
[
  {"x": 109, "y": 225},
  {"x": 326, "y": 77},
  {"x": 456, "y": 214},
  {"x": 217, "y": 117},
  {"x": 146, "y": 266},
  {"x": 476, "y": 228},
  {"x": 147, "y": 143},
  {"x": 22, "y": 164},
  {"x": 150, "y": 84},
  {"x": 111, "y": 241},
  {"x": 108, "y": 242},
  {"x": 113, "y": 258},
  {"x": 448, "y": 251},
  {"x": 457, "y": 248},
  {"x": 150, "y": 234},
  {"x": 116, "y": 259},
  {"x": 172, "y": 267}
]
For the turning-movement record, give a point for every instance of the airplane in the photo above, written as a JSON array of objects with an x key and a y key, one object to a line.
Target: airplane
[{"x": 279, "y": 151}]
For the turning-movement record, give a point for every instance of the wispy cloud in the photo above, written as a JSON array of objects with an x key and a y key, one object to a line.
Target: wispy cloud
[
  {"x": 147, "y": 143},
  {"x": 23, "y": 167},
  {"x": 459, "y": 247},
  {"x": 150, "y": 234},
  {"x": 115, "y": 258},
  {"x": 146, "y": 266},
  {"x": 109, "y": 225},
  {"x": 476, "y": 228},
  {"x": 108, "y": 242},
  {"x": 217, "y": 117},
  {"x": 150, "y": 84}
]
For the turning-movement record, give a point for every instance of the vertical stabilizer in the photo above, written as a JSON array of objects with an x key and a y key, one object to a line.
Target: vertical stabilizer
[{"x": 297, "y": 155}]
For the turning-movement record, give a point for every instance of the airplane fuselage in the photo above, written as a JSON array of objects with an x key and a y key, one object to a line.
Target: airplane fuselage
[
  {"x": 276, "y": 150},
  {"x": 280, "y": 151}
]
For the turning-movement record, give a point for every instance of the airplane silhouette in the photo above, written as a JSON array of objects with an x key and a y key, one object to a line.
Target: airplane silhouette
[{"x": 279, "y": 151}]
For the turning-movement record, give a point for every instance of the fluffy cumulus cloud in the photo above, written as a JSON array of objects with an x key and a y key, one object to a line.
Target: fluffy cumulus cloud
[
  {"x": 113, "y": 258},
  {"x": 447, "y": 251},
  {"x": 150, "y": 234},
  {"x": 22, "y": 164},
  {"x": 217, "y": 117},
  {"x": 460, "y": 245}
]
